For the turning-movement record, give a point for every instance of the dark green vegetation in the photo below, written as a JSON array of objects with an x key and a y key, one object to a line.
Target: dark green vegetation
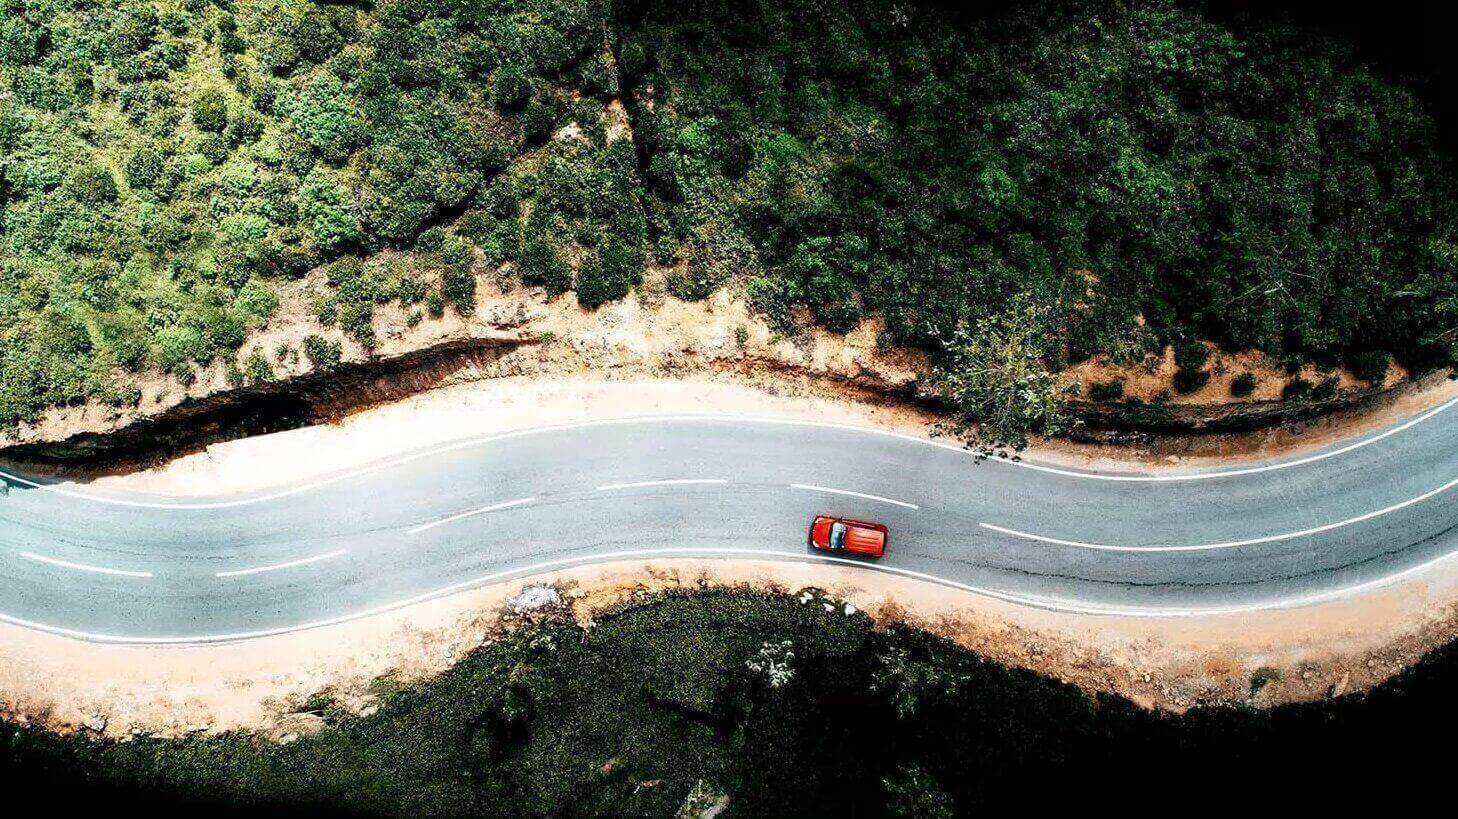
[
  {"x": 788, "y": 708},
  {"x": 1251, "y": 184}
]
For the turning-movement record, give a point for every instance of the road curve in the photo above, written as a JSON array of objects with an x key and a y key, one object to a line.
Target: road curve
[{"x": 135, "y": 568}]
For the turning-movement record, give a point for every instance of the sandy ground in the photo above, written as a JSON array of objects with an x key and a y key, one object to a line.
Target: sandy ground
[
  {"x": 1166, "y": 663},
  {"x": 1155, "y": 375}
]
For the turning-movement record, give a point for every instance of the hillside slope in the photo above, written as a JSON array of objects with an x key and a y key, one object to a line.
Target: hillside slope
[{"x": 1015, "y": 191}]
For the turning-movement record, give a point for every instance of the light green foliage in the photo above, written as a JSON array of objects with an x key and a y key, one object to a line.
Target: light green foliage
[
  {"x": 327, "y": 119},
  {"x": 996, "y": 379},
  {"x": 332, "y": 220},
  {"x": 164, "y": 160},
  {"x": 257, "y": 368}
]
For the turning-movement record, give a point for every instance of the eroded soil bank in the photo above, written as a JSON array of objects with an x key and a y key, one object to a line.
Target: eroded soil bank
[
  {"x": 518, "y": 332},
  {"x": 480, "y": 398}
]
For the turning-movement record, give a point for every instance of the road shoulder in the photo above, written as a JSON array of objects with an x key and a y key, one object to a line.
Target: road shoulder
[{"x": 1305, "y": 653}]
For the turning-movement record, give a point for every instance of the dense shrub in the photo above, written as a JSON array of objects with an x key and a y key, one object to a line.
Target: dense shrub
[
  {"x": 1106, "y": 390},
  {"x": 210, "y": 111},
  {"x": 1296, "y": 389},
  {"x": 1191, "y": 355},
  {"x": 458, "y": 280},
  {"x": 1369, "y": 365},
  {"x": 598, "y": 284},
  {"x": 694, "y": 282},
  {"x": 1243, "y": 384},
  {"x": 144, "y": 167},
  {"x": 541, "y": 263},
  {"x": 322, "y": 353},
  {"x": 1187, "y": 381},
  {"x": 93, "y": 184}
]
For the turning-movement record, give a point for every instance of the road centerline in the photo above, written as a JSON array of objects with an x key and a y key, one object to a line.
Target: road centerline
[
  {"x": 1228, "y": 544},
  {"x": 674, "y": 482},
  {"x": 65, "y": 490},
  {"x": 453, "y": 518},
  {"x": 82, "y": 567},
  {"x": 276, "y": 566},
  {"x": 826, "y": 489}
]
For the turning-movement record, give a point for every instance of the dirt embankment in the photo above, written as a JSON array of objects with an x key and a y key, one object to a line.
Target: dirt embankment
[
  {"x": 314, "y": 397},
  {"x": 1150, "y": 407},
  {"x": 514, "y": 332},
  {"x": 517, "y": 331}
]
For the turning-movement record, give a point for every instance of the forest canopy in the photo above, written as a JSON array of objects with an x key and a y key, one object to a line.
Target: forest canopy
[{"x": 1148, "y": 173}]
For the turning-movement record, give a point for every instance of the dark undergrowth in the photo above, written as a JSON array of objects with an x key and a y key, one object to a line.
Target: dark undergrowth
[{"x": 783, "y": 707}]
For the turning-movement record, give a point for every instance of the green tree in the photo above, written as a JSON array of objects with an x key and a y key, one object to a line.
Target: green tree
[
  {"x": 327, "y": 119},
  {"x": 210, "y": 111},
  {"x": 912, "y": 792},
  {"x": 994, "y": 376}
]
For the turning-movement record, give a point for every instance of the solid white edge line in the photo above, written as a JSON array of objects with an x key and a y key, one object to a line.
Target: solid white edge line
[
  {"x": 1048, "y": 604},
  {"x": 676, "y": 482},
  {"x": 749, "y": 419},
  {"x": 814, "y": 488},
  {"x": 277, "y": 566},
  {"x": 66, "y": 564},
  {"x": 493, "y": 508},
  {"x": 1229, "y": 544}
]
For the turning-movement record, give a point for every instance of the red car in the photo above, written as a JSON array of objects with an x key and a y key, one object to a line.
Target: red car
[{"x": 852, "y": 537}]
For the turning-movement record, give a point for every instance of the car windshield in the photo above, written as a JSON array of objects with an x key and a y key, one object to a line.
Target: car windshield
[{"x": 837, "y": 535}]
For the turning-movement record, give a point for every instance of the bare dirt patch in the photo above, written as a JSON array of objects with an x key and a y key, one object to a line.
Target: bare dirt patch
[{"x": 1154, "y": 377}]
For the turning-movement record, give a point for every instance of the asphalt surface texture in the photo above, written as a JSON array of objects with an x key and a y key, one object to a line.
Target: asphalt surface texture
[{"x": 137, "y": 568}]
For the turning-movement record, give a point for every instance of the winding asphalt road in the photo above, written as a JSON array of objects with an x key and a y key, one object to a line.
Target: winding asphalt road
[{"x": 135, "y": 568}]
